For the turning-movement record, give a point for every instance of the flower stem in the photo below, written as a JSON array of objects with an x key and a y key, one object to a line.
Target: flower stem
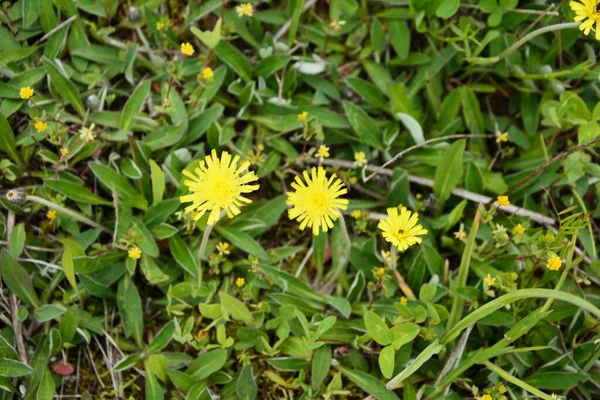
[
  {"x": 537, "y": 32},
  {"x": 68, "y": 212}
]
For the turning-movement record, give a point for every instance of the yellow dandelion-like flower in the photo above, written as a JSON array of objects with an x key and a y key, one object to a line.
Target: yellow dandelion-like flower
[
  {"x": 356, "y": 214},
  {"x": 40, "y": 126},
  {"x": 380, "y": 272},
  {"x": 360, "y": 159},
  {"x": 587, "y": 11},
  {"x": 303, "y": 116},
  {"x": 240, "y": 282},
  {"x": 316, "y": 203},
  {"x": 26, "y": 92},
  {"x": 244, "y": 9},
  {"x": 51, "y": 215},
  {"x": 554, "y": 263},
  {"x": 207, "y": 73},
  {"x": 223, "y": 248},
  {"x": 160, "y": 26},
  {"x": 187, "y": 49},
  {"x": 400, "y": 228},
  {"x": 403, "y": 300},
  {"x": 503, "y": 201},
  {"x": 518, "y": 229},
  {"x": 337, "y": 25},
  {"x": 87, "y": 134},
  {"x": 501, "y": 137},
  {"x": 323, "y": 152},
  {"x": 134, "y": 253},
  {"x": 489, "y": 280},
  {"x": 218, "y": 184},
  {"x": 486, "y": 397}
]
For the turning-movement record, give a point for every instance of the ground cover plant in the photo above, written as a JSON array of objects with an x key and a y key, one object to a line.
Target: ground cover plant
[{"x": 303, "y": 199}]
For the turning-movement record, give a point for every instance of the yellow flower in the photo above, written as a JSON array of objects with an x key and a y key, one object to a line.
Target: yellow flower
[
  {"x": 244, "y": 9},
  {"x": 418, "y": 196},
  {"x": 64, "y": 151},
  {"x": 337, "y": 25},
  {"x": 51, "y": 215},
  {"x": 460, "y": 235},
  {"x": 87, "y": 134},
  {"x": 40, "y": 126},
  {"x": 323, "y": 152},
  {"x": 360, "y": 159},
  {"x": 207, "y": 73},
  {"x": 187, "y": 49},
  {"x": 587, "y": 11},
  {"x": 503, "y": 201},
  {"x": 514, "y": 276},
  {"x": 401, "y": 228},
  {"x": 240, "y": 282},
  {"x": 26, "y": 92},
  {"x": 223, "y": 247},
  {"x": 353, "y": 180},
  {"x": 403, "y": 300},
  {"x": 380, "y": 272},
  {"x": 489, "y": 280},
  {"x": 160, "y": 26},
  {"x": 518, "y": 229},
  {"x": 303, "y": 116},
  {"x": 554, "y": 263},
  {"x": 501, "y": 137},
  {"x": 218, "y": 185},
  {"x": 356, "y": 214},
  {"x": 486, "y": 397},
  {"x": 316, "y": 203},
  {"x": 260, "y": 147},
  {"x": 134, "y": 253}
]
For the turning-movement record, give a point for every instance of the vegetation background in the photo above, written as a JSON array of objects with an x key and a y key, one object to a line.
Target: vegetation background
[{"x": 110, "y": 289}]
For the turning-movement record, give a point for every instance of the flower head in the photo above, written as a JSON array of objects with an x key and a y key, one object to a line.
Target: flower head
[
  {"x": 403, "y": 300},
  {"x": 87, "y": 134},
  {"x": 356, "y": 214},
  {"x": 400, "y": 228},
  {"x": 379, "y": 272},
  {"x": 337, "y": 25},
  {"x": 501, "y": 137},
  {"x": 51, "y": 215},
  {"x": 587, "y": 11},
  {"x": 218, "y": 184},
  {"x": 134, "y": 253},
  {"x": 26, "y": 92},
  {"x": 503, "y": 201},
  {"x": 207, "y": 73},
  {"x": 316, "y": 203},
  {"x": 486, "y": 397},
  {"x": 489, "y": 280},
  {"x": 360, "y": 159},
  {"x": 187, "y": 49},
  {"x": 223, "y": 248},
  {"x": 240, "y": 282},
  {"x": 460, "y": 235},
  {"x": 323, "y": 152},
  {"x": 160, "y": 26},
  {"x": 244, "y": 9},
  {"x": 554, "y": 263},
  {"x": 518, "y": 229},
  {"x": 303, "y": 116},
  {"x": 40, "y": 126},
  {"x": 64, "y": 152}
]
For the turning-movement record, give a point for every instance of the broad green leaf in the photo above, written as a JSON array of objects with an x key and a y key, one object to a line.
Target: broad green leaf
[
  {"x": 69, "y": 267},
  {"x": 65, "y": 87},
  {"x": 17, "y": 280},
  {"x": 377, "y": 328},
  {"x": 234, "y": 59},
  {"x": 449, "y": 171},
  {"x": 386, "y": 361},
  {"x": 16, "y": 241},
  {"x": 210, "y": 38},
  {"x": 68, "y": 324},
  {"x": 246, "y": 385},
  {"x": 367, "y": 91},
  {"x": 434, "y": 348},
  {"x": 158, "y": 182},
  {"x": 7, "y": 139},
  {"x": 162, "y": 338},
  {"x": 243, "y": 241},
  {"x": 127, "y": 362},
  {"x": 130, "y": 309},
  {"x": 12, "y": 55},
  {"x": 447, "y": 8},
  {"x": 206, "y": 364},
  {"x": 413, "y": 126},
  {"x": 183, "y": 255},
  {"x": 134, "y": 105},
  {"x": 236, "y": 308},
  {"x": 404, "y": 333},
  {"x": 295, "y": 9},
  {"x": 47, "y": 312},
  {"x": 471, "y": 110},
  {"x": 368, "y": 383},
  {"x": 153, "y": 387},
  {"x": 118, "y": 183},
  {"x": 13, "y": 368},
  {"x": 363, "y": 125},
  {"x": 47, "y": 385},
  {"x": 400, "y": 37},
  {"x": 321, "y": 363},
  {"x": 291, "y": 284},
  {"x": 76, "y": 192}
]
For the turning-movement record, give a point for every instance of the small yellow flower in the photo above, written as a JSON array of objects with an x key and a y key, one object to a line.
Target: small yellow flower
[
  {"x": 460, "y": 235},
  {"x": 360, "y": 159},
  {"x": 87, "y": 134},
  {"x": 260, "y": 147},
  {"x": 503, "y": 201},
  {"x": 187, "y": 49},
  {"x": 160, "y": 26},
  {"x": 337, "y": 25},
  {"x": 26, "y": 92},
  {"x": 514, "y": 276},
  {"x": 400, "y": 228},
  {"x": 418, "y": 196},
  {"x": 501, "y": 137},
  {"x": 223, "y": 248},
  {"x": 353, "y": 180},
  {"x": 518, "y": 229},
  {"x": 244, "y": 9},
  {"x": 134, "y": 253},
  {"x": 316, "y": 201},
  {"x": 587, "y": 11},
  {"x": 356, "y": 214},
  {"x": 554, "y": 396},
  {"x": 303, "y": 116},
  {"x": 403, "y": 300},
  {"x": 489, "y": 280},
  {"x": 486, "y": 397},
  {"x": 240, "y": 282},
  {"x": 207, "y": 73},
  {"x": 386, "y": 255},
  {"x": 64, "y": 152},
  {"x": 323, "y": 152},
  {"x": 380, "y": 272},
  {"x": 40, "y": 126},
  {"x": 554, "y": 263},
  {"x": 51, "y": 215}
]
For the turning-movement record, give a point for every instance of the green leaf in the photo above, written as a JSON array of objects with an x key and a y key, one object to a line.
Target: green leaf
[
  {"x": 210, "y": 38},
  {"x": 368, "y": 91},
  {"x": 246, "y": 385},
  {"x": 11, "y": 55},
  {"x": 69, "y": 267},
  {"x": 449, "y": 171},
  {"x": 404, "y": 333},
  {"x": 447, "y": 8},
  {"x": 130, "y": 309},
  {"x": 183, "y": 255},
  {"x": 243, "y": 241},
  {"x": 153, "y": 389},
  {"x": 321, "y": 363},
  {"x": 76, "y": 192},
  {"x": 17, "y": 279},
  {"x": 16, "y": 241},
  {"x": 158, "y": 182},
  {"x": 134, "y": 105},
  {"x": 7, "y": 139},
  {"x": 162, "y": 338},
  {"x": 236, "y": 308},
  {"x": 295, "y": 7},
  {"x": 368, "y": 383},
  {"x": 13, "y": 368},
  {"x": 206, "y": 364},
  {"x": 65, "y": 87},
  {"x": 377, "y": 328},
  {"x": 291, "y": 284},
  {"x": 431, "y": 350},
  {"x": 68, "y": 324},
  {"x": 400, "y": 37},
  {"x": 118, "y": 183},
  {"x": 47, "y": 385},
  {"x": 471, "y": 110},
  {"x": 127, "y": 362},
  {"x": 386, "y": 361},
  {"x": 47, "y": 312},
  {"x": 234, "y": 59},
  {"x": 363, "y": 125},
  {"x": 413, "y": 126}
]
